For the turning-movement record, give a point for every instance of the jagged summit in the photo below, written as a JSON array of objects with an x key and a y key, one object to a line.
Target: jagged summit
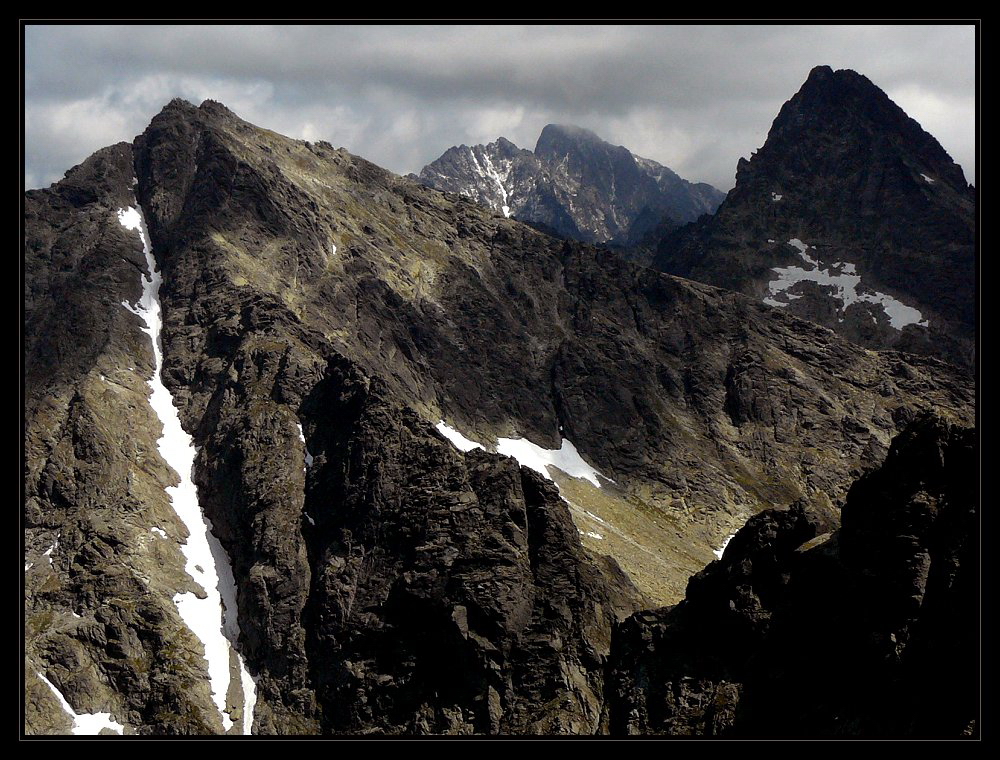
[
  {"x": 844, "y": 101},
  {"x": 574, "y": 184},
  {"x": 850, "y": 215}
]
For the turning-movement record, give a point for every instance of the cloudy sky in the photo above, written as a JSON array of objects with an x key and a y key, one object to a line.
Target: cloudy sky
[{"x": 695, "y": 98}]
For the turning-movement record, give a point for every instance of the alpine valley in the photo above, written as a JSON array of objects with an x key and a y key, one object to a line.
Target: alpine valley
[{"x": 313, "y": 448}]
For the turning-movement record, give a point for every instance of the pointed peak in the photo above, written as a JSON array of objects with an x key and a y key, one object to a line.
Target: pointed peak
[
  {"x": 820, "y": 74},
  {"x": 178, "y": 105},
  {"x": 568, "y": 131},
  {"x": 504, "y": 148},
  {"x": 215, "y": 107},
  {"x": 558, "y": 139},
  {"x": 840, "y": 87}
]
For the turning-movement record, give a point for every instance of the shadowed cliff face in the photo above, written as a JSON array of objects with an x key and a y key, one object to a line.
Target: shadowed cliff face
[
  {"x": 387, "y": 582},
  {"x": 847, "y": 171},
  {"x": 574, "y": 185},
  {"x": 870, "y": 631}
]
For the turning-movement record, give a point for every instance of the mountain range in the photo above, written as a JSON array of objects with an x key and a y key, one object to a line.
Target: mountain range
[
  {"x": 455, "y": 475},
  {"x": 574, "y": 185}
]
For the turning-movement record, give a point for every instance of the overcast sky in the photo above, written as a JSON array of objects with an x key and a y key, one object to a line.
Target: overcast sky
[{"x": 694, "y": 98}]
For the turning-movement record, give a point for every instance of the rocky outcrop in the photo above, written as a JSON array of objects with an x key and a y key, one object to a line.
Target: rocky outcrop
[
  {"x": 574, "y": 185},
  {"x": 450, "y": 593},
  {"x": 869, "y": 631},
  {"x": 851, "y": 216}
]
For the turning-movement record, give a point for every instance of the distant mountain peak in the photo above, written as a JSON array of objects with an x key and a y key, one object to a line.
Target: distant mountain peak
[
  {"x": 553, "y": 134},
  {"x": 574, "y": 184}
]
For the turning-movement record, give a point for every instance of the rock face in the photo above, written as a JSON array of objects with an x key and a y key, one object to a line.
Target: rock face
[
  {"x": 851, "y": 216},
  {"x": 870, "y": 631},
  {"x": 451, "y": 594},
  {"x": 100, "y": 623},
  {"x": 575, "y": 185},
  {"x": 320, "y": 315}
]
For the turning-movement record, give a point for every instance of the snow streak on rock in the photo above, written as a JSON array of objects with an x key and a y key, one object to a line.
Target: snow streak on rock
[
  {"x": 84, "y": 724},
  {"x": 495, "y": 176},
  {"x": 213, "y": 619},
  {"x": 308, "y": 457},
  {"x": 722, "y": 549},
  {"x": 490, "y": 174},
  {"x": 458, "y": 440}
]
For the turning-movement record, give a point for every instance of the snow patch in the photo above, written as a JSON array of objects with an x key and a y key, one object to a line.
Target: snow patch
[
  {"x": 212, "y": 619},
  {"x": 158, "y": 531},
  {"x": 776, "y": 196},
  {"x": 311, "y": 521},
  {"x": 84, "y": 724},
  {"x": 845, "y": 283},
  {"x": 721, "y": 550},
  {"x": 803, "y": 248},
  {"x": 309, "y": 457},
  {"x": 333, "y": 249},
  {"x": 592, "y": 534},
  {"x": 131, "y": 219},
  {"x": 565, "y": 458},
  {"x": 928, "y": 180},
  {"x": 458, "y": 440},
  {"x": 528, "y": 454}
]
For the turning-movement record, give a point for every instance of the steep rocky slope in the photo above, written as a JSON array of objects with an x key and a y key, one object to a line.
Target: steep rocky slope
[
  {"x": 574, "y": 184},
  {"x": 851, "y": 216},
  {"x": 869, "y": 631},
  {"x": 320, "y": 315},
  {"x": 101, "y": 540}
]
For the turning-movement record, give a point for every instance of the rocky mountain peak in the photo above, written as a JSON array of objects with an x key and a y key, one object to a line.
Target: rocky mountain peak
[
  {"x": 844, "y": 102},
  {"x": 556, "y": 139},
  {"x": 216, "y": 108},
  {"x": 850, "y": 215},
  {"x": 178, "y": 106},
  {"x": 574, "y": 185},
  {"x": 505, "y": 146}
]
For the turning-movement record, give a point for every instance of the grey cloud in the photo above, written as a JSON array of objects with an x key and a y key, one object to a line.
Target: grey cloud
[{"x": 400, "y": 96}]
